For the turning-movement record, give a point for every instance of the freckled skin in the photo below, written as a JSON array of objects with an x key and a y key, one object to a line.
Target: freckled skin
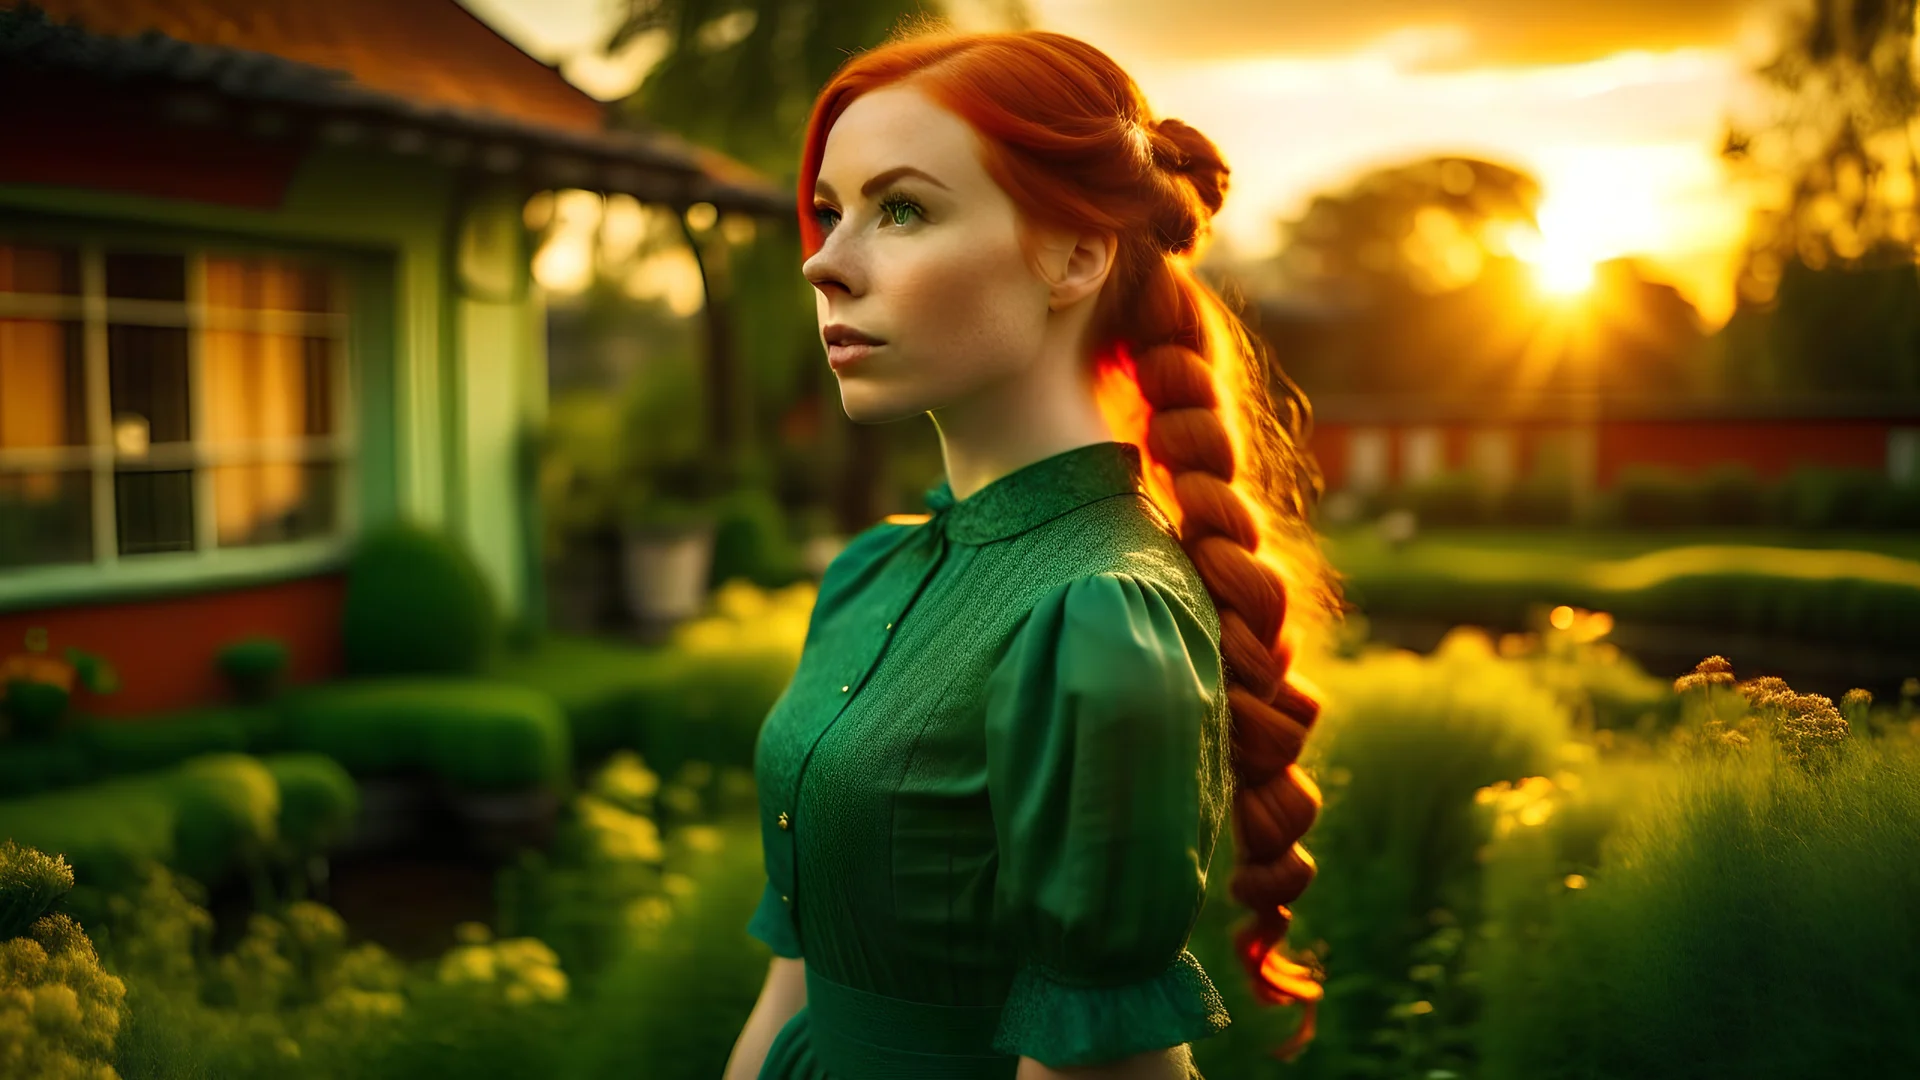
[{"x": 975, "y": 335}]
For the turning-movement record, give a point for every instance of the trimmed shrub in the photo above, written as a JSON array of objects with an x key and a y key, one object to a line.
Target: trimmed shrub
[
  {"x": 43, "y": 765},
  {"x": 475, "y": 735},
  {"x": 1817, "y": 498},
  {"x": 226, "y": 816},
  {"x": 1652, "y": 497},
  {"x": 254, "y": 667},
  {"x": 1539, "y": 500},
  {"x": 417, "y": 604},
  {"x": 1451, "y": 499},
  {"x": 1732, "y": 495},
  {"x": 751, "y": 541},
  {"x": 119, "y": 746},
  {"x": 318, "y": 802}
]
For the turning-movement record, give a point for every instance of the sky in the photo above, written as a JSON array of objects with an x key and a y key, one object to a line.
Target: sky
[{"x": 1618, "y": 106}]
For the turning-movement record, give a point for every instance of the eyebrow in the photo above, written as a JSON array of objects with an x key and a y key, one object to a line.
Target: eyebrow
[{"x": 883, "y": 179}]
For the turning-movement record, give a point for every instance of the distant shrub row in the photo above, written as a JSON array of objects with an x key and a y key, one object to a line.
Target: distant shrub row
[{"x": 1652, "y": 497}]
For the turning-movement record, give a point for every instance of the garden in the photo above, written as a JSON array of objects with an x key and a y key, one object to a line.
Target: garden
[{"x": 1536, "y": 858}]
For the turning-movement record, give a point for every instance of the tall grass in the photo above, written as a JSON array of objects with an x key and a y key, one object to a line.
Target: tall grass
[{"x": 1750, "y": 918}]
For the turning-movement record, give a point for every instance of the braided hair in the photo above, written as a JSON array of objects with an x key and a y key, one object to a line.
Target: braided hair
[{"x": 1068, "y": 135}]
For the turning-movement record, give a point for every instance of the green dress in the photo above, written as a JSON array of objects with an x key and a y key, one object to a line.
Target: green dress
[{"x": 990, "y": 795}]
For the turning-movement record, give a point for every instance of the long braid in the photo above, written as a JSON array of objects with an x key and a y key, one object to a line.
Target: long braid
[{"x": 1274, "y": 803}]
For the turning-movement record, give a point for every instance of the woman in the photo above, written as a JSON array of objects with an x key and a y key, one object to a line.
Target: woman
[{"x": 991, "y": 793}]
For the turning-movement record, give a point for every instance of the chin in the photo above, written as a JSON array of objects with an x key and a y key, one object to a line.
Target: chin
[{"x": 863, "y": 406}]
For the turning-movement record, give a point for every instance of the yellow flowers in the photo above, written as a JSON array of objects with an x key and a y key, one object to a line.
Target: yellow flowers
[
  {"x": 747, "y": 617},
  {"x": 1525, "y": 804},
  {"x": 1808, "y": 728},
  {"x": 524, "y": 970}
]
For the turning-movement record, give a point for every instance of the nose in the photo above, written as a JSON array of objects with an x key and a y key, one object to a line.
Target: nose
[{"x": 835, "y": 266}]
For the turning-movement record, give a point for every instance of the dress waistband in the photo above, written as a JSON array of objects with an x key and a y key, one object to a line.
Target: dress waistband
[{"x": 860, "y": 1035}]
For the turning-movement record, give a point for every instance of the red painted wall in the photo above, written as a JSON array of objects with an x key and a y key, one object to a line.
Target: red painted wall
[
  {"x": 1771, "y": 448},
  {"x": 164, "y": 649}
]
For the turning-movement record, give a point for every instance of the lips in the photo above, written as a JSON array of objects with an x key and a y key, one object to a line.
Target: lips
[{"x": 847, "y": 346}]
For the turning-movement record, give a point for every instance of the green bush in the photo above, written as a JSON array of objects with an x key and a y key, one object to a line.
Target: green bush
[
  {"x": 751, "y": 541},
  {"x": 254, "y": 667},
  {"x": 417, "y": 604},
  {"x": 226, "y": 816},
  {"x": 1820, "y": 498},
  {"x": 1732, "y": 495},
  {"x": 318, "y": 803},
  {"x": 42, "y": 765},
  {"x": 117, "y": 746},
  {"x": 1752, "y": 919},
  {"x": 1653, "y": 497},
  {"x": 33, "y": 710},
  {"x": 1451, "y": 499},
  {"x": 1402, "y": 749},
  {"x": 476, "y": 735},
  {"x": 703, "y": 697},
  {"x": 672, "y": 1005},
  {"x": 1546, "y": 499}
]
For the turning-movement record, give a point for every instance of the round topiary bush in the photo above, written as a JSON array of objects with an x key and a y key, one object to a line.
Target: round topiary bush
[{"x": 417, "y": 604}]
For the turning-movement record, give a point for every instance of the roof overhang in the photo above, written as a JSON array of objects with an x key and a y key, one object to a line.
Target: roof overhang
[{"x": 261, "y": 96}]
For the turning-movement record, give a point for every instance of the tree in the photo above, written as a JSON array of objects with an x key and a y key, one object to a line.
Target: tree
[{"x": 1840, "y": 146}]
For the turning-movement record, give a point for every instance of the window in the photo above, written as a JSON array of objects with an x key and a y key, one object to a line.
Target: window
[
  {"x": 1493, "y": 454},
  {"x": 156, "y": 402},
  {"x": 1367, "y": 460},
  {"x": 1903, "y": 455},
  {"x": 1422, "y": 454}
]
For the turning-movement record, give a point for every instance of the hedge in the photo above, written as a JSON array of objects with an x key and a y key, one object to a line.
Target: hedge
[{"x": 474, "y": 734}]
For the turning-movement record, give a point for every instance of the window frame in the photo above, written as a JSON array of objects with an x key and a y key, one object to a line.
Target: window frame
[{"x": 208, "y": 564}]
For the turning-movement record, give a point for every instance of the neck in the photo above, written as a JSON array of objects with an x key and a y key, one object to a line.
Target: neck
[{"x": 1049, "y": 409}]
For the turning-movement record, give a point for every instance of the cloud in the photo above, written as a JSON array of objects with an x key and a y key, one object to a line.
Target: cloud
[{"x": 1425, "y": 32}]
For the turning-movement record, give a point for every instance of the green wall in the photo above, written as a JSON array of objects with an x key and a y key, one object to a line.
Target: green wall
[{"x": 447, "y": 355}]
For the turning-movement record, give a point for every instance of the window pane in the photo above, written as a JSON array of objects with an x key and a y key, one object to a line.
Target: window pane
[
  {"x": 42, "y": 399},
  {"x": 53, "y": 271},
  {"x": 267, "y": 284},
  {"x": 155, "y": 511},
  {"x": 142, "y": 276},
  {"x": 45, "y": 517},
  {"x": 147, "y": 368},
  {"x": 273, "y": 502},
  {"x": 266, "y": 386}
]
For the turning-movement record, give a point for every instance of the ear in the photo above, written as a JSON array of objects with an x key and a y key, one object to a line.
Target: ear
[{"x": 1076, "y": 266}]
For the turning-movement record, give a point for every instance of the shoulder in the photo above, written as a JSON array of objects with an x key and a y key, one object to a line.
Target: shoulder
[
  {"x": 1126, "y": 538},
  {"x": 1112, "y": 628}
]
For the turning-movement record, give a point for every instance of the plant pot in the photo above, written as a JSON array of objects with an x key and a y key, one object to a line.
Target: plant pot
[{"x": 665, "y": 571}]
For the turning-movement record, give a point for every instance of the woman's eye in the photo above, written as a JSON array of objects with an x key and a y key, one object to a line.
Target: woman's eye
[
  {"x": 826, "y": 217},
  {"x": 899, "y": 211}
]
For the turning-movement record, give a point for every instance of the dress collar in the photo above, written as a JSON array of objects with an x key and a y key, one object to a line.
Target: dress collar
[{"x": 1037, "y": 493}]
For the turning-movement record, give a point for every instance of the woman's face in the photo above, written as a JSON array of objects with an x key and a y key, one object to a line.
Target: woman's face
[{"x": 922, "y": 255}]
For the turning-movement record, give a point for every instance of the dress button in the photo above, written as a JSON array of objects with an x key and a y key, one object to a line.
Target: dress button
[
  {"x": 845, "y": 688},
  {"x": 783, "y": 819},
  {"x": 784, "y": 900},
  {"x": 889, "y": 626}
]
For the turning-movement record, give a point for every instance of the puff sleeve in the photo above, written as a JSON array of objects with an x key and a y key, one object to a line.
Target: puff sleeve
[{"x": 1105, "y": 723}]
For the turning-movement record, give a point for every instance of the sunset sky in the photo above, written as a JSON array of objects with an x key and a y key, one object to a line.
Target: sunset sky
[{"x": 1617, "y": 105}]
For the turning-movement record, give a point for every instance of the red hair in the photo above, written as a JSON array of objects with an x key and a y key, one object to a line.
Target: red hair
[{"x": 1069, "y": 137}]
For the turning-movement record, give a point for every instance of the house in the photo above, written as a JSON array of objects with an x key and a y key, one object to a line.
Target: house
[
  {"x": 1371, "y": 444},
  {"x": 264, "y": 284}
]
